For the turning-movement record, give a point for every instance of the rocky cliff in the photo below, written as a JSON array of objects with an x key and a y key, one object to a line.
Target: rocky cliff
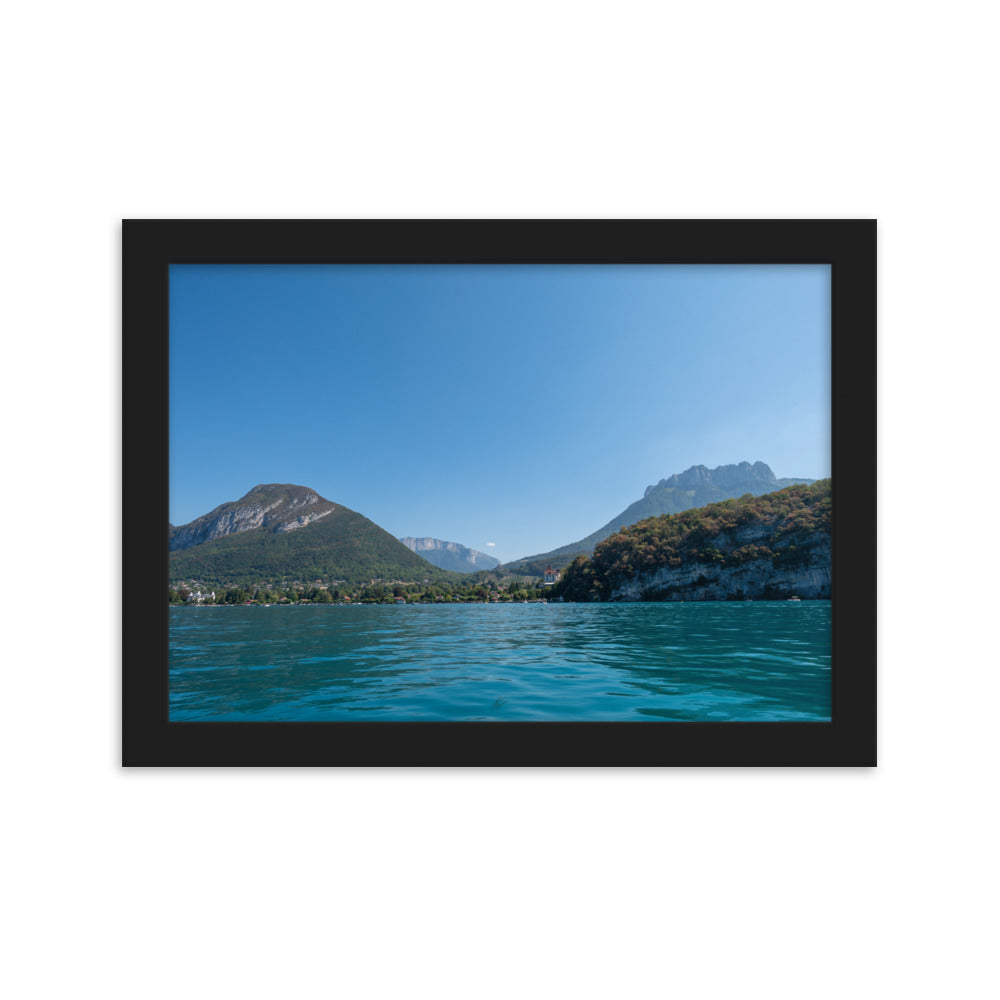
[
  {"x": 450, "y": 555},
  {"x": 733, "y": 480},
  {"x": 682, "y": 491},
  {"x": 273, "y": 506},
  {"x": 769, "y": 547},
  {"x": 807, "y": 576},
  {"x": 280, "y": 534}
]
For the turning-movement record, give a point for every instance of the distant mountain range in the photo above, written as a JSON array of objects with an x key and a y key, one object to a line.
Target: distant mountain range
[
  {"x": 285, "y": 532},
  {"x": 282, "y": 532},
  {"x": 450, "y": 555},
  {"x": 695, "y": 487}
]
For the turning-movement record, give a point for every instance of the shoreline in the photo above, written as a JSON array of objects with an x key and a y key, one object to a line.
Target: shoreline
[{"x": 428, "y": 604}]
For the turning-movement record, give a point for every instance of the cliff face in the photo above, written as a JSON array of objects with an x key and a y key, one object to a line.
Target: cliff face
[
  {"x": 273, "y": 506},
  {"x": 682, "y": 491},
  {"x": 735, "y": 479},
  {"x": 807, "y": 575},
  {"x": 450, "y": 555},
  {"x": 768, "y": 547},
  {"x": 279, "y": 534}
]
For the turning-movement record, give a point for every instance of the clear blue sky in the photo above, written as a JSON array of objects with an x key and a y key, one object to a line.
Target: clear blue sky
[{"x": 520, "y": 405}]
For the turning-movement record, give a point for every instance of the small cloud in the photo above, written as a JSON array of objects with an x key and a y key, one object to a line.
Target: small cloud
[{"x": 491, "y": 545}]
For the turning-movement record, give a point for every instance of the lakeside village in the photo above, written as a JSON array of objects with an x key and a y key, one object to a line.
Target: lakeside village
[{"x": 484, "y": 588}]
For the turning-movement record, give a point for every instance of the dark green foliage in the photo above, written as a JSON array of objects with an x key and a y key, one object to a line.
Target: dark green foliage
[
  {"x": 375, "y": 593},
  {"x": 790, "y": 521},
  {"x": 454, "y": 588}
]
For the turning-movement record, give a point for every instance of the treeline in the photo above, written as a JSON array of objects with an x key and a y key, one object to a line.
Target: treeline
[
  {"x": 785, "y": 521},
  {"x": 480, "y": 587}
]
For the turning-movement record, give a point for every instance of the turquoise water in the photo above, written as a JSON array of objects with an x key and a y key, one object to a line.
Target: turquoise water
[{"x": 704, "y": 661}]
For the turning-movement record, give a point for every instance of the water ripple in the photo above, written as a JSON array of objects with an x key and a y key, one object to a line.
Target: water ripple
[{"x": 708, "y": 661}]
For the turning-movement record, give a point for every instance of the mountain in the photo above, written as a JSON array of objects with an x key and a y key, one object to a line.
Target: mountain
[
  {"x": 283, "y": 532},
  {"x": 276, "y": 507},
  {"x": 742, "y": 478},
  {"x": 695, "y": 487},
  {"x": 450, "y": 555},
  {"x": 768, "y": 547}
]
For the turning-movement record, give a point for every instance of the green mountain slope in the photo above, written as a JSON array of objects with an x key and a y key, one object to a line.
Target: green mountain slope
[{"x": 341, "y": 544}]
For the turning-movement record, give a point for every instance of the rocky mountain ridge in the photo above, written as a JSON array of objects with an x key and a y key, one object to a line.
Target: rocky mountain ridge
[
  {"x": 695, "y": 487},
  {"x": 279, "y": 533},
  {"x": 739, "y": 478},
  {"x": 276, "y": 507},
  {"x": 450, "y": 555}
]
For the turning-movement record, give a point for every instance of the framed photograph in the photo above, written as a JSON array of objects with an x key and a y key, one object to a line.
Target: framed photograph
[{"x": 499, "y": 493}]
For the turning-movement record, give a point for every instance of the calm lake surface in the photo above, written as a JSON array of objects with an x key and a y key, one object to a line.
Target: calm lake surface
[{"x": 704, "y": 661}]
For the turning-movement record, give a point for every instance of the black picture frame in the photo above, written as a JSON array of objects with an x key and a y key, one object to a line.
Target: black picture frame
[{"x": 151, "y": 246}]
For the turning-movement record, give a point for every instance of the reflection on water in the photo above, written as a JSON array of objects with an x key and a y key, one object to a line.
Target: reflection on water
[{"x": 708, "y": 661}]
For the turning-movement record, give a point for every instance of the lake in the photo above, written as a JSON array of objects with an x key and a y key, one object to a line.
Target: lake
[{"x": 699, "y": 661}]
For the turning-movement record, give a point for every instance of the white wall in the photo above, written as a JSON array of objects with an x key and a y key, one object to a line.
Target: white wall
[{"x": 498, "y": 884}]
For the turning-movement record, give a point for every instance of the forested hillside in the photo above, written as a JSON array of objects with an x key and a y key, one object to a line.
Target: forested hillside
[
  {"x": 751, "y": 546},
  {"x": 343, "y": 545}
]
